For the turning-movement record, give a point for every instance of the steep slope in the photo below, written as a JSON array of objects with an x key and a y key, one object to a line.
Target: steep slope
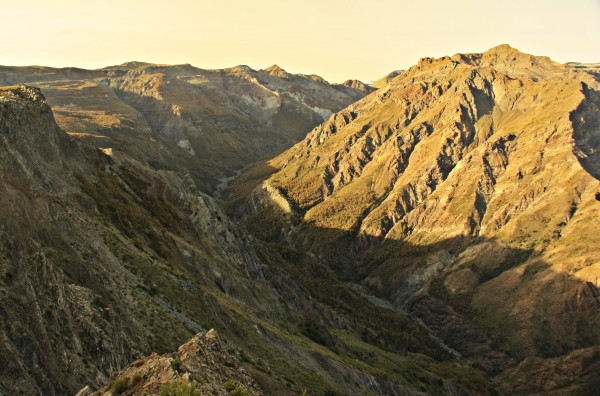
[
  {"x": 104, "y": 260},
  {"x": 465, "y": 191},
  {"x": 203, "y": 124},
  {"x": 96, "y": 257}
]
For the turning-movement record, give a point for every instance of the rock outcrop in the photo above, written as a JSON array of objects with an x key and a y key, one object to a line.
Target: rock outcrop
[{"x": 202, "y": 364}]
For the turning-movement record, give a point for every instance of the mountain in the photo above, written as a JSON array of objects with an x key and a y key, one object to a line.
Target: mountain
[
  {"x": 355, "y": 88},
  {"x": 385, "y": 80},
  {"x": 436, "y": 237},
  {"x": 204, "y": 124},
  {"x": 466, "y": 192},
  {"x": 105, "y": 260}
]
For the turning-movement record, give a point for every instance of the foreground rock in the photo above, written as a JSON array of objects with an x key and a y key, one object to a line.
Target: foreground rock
[{"x": 201, "y": 364}]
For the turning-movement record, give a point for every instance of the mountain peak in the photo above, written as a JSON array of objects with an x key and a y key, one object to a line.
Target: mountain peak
[
  {"x": 504, "y": 52},
  {"x": 502, "y": 48},
  {"x": 275, "y": 70},
  {"x": 134, "y": 64},
  {"x": 518, "y": 64},
  {"x": 240, "y": 69},
  {"x": 357, "y": 84}
]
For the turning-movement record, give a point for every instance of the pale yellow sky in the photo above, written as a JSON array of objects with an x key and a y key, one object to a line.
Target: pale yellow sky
[{"x": 333, "y": 38}]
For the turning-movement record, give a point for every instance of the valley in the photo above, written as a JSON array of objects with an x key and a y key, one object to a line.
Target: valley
[{"x": 432, "y": 233}]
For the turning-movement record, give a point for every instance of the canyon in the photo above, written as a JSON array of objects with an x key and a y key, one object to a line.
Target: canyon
[{"x": 432, "y": 233}]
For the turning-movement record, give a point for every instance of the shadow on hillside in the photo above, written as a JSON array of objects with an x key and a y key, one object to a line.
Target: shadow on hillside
[
  {"x": 491, "y": 302},
  {"x": 586, "y": 125},
  {"x": 221, "y": 140}
]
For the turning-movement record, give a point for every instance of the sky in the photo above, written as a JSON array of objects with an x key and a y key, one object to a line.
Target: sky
[{"x": 336, "y": 39}]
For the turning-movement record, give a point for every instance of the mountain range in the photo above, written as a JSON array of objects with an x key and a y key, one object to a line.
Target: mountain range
[
  {"x": 204, "y": 124},
  {"x": 434, "y": 233}
]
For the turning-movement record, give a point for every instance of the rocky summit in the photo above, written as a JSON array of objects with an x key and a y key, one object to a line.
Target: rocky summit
[{"x": 433, "y": 233}]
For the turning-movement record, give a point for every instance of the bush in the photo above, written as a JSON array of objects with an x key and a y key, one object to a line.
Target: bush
[
  {"x": 120, "y": 385},
  {"x": 180, "y": 388},
  {"x": 235, "y": 388},
  {"x": 176, "y": 364},
  {"x": 136, "y": 379}
]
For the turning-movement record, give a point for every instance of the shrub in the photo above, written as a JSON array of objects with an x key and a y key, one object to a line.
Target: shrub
[
  {"x": 176, "y": 364},
  {"x": 235, "y": 388},
  {"x": 136, "y": 379},
  {"x": 120, "y": 385},
  {"x": 180, "y": 388}
]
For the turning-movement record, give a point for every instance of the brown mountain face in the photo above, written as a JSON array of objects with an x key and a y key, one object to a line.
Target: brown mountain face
[
  {"x": 104, "y": 260},
  {"x": 203, "y": 124},
  {"x": 355, "y": 88},
  {"x": 467, "y": 192}
]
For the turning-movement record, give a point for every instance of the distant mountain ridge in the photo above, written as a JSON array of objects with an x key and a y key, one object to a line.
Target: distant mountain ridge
[{"x": 202, "y": 123}]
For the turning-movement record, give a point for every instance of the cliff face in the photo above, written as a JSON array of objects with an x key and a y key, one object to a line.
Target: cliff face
[
  {"x": 203, "y": 124},
  {"x": 466, "y": 191},
  {"x": 55, "y": 316}
]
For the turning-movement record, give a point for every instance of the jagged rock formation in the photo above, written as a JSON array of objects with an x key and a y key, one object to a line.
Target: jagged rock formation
[
  {"x": 466, "y": 191},
  {"x": 203, "y": 124},
  {"x": 202, "y": 363},
  {"x": 104, "y": 260}
]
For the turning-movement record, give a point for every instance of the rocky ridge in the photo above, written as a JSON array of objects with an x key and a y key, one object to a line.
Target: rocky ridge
[{"x": 202, "y": 364}]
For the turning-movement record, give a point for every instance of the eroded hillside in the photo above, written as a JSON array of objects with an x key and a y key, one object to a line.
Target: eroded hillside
[
  {"x": 105, "y": 260},
  {"x": 465, "y": 191}
]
